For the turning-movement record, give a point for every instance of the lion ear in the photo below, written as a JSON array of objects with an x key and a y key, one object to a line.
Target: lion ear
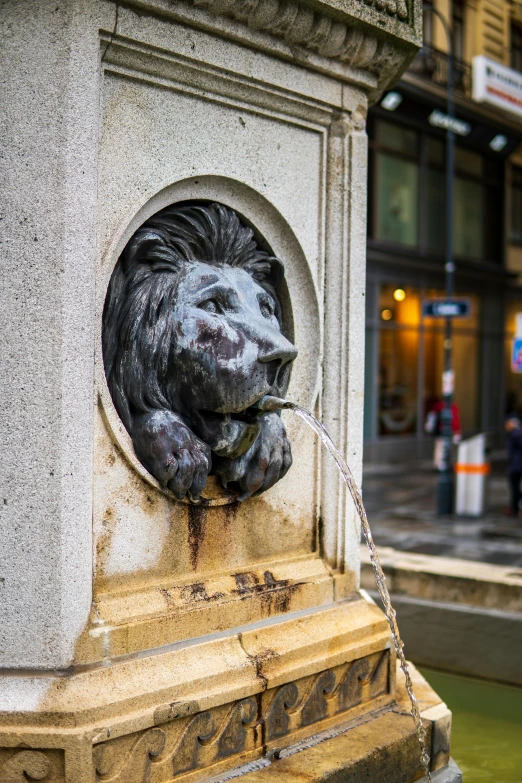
[
  {"x": 277, "y": 270},
  {"x": 149, "y": 247}
]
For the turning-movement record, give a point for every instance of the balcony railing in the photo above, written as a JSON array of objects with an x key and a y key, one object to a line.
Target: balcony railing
[{"x": 433, "y": 64}]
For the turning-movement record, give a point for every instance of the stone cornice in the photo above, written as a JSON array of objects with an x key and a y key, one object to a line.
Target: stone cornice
[{"x": 374, "y": 35}]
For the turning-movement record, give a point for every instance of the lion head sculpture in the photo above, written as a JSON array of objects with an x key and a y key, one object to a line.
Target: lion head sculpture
[{"x": 192, "y": 340}]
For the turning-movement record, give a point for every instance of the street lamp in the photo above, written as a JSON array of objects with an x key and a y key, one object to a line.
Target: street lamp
[{"x": 445, "y": 488}]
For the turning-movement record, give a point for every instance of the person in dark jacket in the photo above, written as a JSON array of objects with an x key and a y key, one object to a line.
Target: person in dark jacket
[{"x": 514, "y": 431}]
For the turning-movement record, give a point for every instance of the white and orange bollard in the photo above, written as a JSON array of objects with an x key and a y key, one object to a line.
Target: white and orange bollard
[{"x": 471, "y": 469}]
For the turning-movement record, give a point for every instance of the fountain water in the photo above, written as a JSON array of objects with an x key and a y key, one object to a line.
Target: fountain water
[{"x": 269, "y": 403}]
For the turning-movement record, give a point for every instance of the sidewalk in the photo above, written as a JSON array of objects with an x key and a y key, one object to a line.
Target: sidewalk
[{"x": 400, "y": 501}]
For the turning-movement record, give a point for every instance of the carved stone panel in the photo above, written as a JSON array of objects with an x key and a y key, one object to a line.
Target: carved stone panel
[
  {"x": 20, "y": 766},
  {"x": 179, "y": 748},
  {"x": 174, "y": 749},
  {"x": 332, "y": 692}
]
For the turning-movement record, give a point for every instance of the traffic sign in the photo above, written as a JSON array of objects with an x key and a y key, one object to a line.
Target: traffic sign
[{"x": 446, "y": 308}]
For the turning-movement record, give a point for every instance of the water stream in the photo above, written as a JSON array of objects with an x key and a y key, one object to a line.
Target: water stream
[{"x": 274, "y": 403}]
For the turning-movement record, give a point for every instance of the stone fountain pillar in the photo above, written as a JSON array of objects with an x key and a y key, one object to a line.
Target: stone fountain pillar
[{"x": 144, "y": 639}]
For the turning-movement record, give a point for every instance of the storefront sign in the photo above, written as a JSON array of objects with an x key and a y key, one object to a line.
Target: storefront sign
[
  {"x": 446, "y": 308},
  {"x": 516, "y": 355},
  {"x": 438, "y": 119},
  {"x": 497, "y": 85}
]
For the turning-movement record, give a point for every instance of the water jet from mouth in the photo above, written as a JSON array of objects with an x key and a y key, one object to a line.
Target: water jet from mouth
[{"x": 270, "y": 404}]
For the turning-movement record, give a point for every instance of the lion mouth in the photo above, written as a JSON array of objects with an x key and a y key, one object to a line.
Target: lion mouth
[{"x": 249, "y": 415}]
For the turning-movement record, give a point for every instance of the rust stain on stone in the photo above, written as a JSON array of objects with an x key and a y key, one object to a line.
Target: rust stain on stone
[
  {"x": 167, "y": 596},
  {"x": 198, "y": 592},
  {"x": 259, "y": 660},
  {"x": 230, "y": 513},
  {"x": 197, "y": 516},
  {"x": 275, "y": 594},
  {"x": 246, "y": 583}
]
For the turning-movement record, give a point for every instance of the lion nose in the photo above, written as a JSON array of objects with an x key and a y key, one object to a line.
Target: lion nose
[{"x": 276, "y": 348}]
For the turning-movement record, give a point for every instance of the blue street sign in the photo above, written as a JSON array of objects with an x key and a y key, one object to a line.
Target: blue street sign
[
  {"x": 446, "y": 308},
  {"x": 516, "y": 355}
]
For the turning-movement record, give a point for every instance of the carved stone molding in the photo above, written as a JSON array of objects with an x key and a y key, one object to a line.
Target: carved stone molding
[
  {"x": 20, "y": 766},
  {"x": 301, "y": 25},
  {"x": 377, "y": 37},
  {"x": 175, "y": 749}
]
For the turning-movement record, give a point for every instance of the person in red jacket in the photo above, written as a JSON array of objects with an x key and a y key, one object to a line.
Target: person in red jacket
[{"x": 433, "y": 426}]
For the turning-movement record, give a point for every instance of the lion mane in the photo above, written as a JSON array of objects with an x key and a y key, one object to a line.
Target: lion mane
[{"x": 139, "y": 321}]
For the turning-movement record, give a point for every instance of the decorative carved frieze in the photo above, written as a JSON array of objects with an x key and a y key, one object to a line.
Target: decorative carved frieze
[
  {"x": 175, "y": 749},
  {"x": 21, "y": 766}
]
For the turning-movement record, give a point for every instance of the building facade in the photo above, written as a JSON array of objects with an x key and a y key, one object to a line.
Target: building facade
[{"x": 407, "y": 231}]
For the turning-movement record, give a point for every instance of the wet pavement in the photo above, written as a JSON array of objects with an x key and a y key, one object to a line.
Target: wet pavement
[{"x": 401, "y": 499}]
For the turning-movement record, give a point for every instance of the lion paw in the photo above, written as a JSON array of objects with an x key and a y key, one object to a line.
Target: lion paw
[
  {"x": 263, "y": 465},
  {"x": 177, "y": 458}
]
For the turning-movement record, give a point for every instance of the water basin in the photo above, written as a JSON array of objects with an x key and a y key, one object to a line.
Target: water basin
[{"x": 486, "y": 739}]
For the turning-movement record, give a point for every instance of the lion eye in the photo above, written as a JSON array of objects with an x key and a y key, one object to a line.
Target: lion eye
[
  {"x": 209, "y": 306},
  {"x": 267, "y": 308}
]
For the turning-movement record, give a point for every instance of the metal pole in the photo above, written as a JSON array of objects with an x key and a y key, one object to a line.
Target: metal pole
[{"x": 445, "y": 489}]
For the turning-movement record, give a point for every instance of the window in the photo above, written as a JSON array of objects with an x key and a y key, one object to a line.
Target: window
[
  {"x": 457, "y": 24},
  {"x": 428, "y": 23},
  {"x": 435, "y": 196},
  {"x": 516, "y": 47},
  {"x": 406, "y": 355},
  {"x": 408, "y": 195},
  {"x": 516, "y": 204},
  {"x": 468, "y": 218},
  {"x": 398, "y": 185},
  {"x": 397, "y": 203},
  {"x": 398, "y": 361},
  {"x": 468, "y": 198}
]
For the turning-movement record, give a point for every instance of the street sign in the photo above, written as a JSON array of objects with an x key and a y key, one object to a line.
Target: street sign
[
  {"x": 446, "y": 308},
  {"x": 516, "y": 355},
  {"x": 438, "y": 119}
]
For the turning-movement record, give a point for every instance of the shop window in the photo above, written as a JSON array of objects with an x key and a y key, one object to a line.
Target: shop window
[
  {"x": 397, "y": 204},
  {"x": 408, "y": 195},
  {"x": 410, "y": 363},
  {"x": 436, "y": 211},
  {"x": 397, "y": 138},
  {"x": 435, "y": 151},
  {"x": 469, "y": 162},
  {"x": 516, "y": 47},
  {"x": 465, "y": 362},
  {"x": 468, "y": 216},
  {"x": 403, "y": 305},
  {"x": 465, "y": 365},
  {"x": 399, "y": 312},
  {"x": 516, "y": 204},
  {"x": 398, "y": 354}
]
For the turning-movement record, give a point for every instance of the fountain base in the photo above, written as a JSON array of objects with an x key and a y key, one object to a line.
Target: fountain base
[{"x": 313, "y": 695}]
